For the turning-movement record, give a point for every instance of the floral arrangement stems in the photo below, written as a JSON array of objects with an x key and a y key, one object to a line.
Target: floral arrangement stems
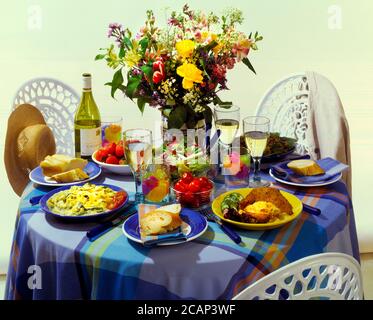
[{"x": 179, "y": 69}]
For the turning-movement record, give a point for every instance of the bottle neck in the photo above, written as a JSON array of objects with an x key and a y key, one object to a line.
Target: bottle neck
[{"x": 86, "y": 95}]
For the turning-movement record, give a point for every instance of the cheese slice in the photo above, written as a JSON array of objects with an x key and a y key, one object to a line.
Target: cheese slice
[
  {"x": 305, "y": 167},
  {"x": 59, "y": 163}
]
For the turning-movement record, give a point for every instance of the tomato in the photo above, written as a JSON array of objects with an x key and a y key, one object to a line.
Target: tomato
[
  {"x": 119, "y": 151},
  {"x": 112, "y": 160},
  {"x": 180, "y": 186},
  {"x": 205, "y": 183},
  {"x": 111, "y": 148},
  {"x": 188, "y": 198},
  {"x": 195, "y": 185},
  {"x": 187, "y": 177},
  {"x": 117, "y": 200}
]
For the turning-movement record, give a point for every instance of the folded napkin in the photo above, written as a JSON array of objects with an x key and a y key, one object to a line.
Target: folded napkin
[
  {"x": 331, "y": 167},
  {"x": 150, "y": 240}
]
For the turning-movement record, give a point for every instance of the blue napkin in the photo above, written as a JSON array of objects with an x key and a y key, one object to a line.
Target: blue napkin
[
  {"x": 150, "y": 241},
  {"x": 175, "y": 235},
  {"x": 331, "y": 167}
]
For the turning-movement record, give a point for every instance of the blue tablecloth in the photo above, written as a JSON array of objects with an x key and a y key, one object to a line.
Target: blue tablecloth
[{"x": 210, "y": 267}]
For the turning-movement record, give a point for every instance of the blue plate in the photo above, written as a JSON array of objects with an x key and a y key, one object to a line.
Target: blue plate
[
  {"x": 275, "y": 157},
  {"x": 89, "y": 218},
  {"x": 194, "y": 225},
  {"x": 37, "y": 176}
]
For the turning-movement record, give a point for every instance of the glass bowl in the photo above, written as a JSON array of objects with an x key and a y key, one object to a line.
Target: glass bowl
[{"x": 193, "y": 200}]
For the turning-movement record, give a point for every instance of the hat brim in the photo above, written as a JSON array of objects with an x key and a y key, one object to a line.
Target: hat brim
[{"x": 25, "y": 115}]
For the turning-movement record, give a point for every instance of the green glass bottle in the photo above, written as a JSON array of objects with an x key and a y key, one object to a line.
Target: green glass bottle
[{"x": 87, "y": 122}]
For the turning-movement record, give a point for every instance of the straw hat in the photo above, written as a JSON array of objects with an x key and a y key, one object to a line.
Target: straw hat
[{"x": 28, "y": 141}]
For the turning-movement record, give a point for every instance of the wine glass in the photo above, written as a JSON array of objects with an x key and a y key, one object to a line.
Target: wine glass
[
  {"x": 138, "y": 149},
  {"x": 256, "y": 133},
  {"x": 227, "y": 121}
]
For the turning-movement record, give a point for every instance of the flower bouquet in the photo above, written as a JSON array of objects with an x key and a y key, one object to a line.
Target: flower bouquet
[{"x": 181, "y": 68}]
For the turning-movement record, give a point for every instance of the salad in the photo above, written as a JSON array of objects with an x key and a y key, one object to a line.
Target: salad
[{"x": 190, "y": 159}]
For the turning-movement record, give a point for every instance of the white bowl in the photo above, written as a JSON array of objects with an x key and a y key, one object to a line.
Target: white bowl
[{"x": 122, "y": 169}]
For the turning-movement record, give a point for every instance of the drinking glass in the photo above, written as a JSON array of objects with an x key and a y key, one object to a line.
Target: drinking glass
[
  {"x": 256, "y": 133},
  {"x": 111, "y": 128},
  {"x": 138, "y": 150},
  {"x": 236, "y": 167},
  {"x": 227, "y": 121},
  {"x": 156, "y": 184}
]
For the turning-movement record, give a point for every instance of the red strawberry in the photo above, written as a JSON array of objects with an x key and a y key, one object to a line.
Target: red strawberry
[
  {"x": 111, "y": 148},
  {"x": 112, "y": 160},
  {"x": 119, "y": 151},
  {"x": 99, "y": 155}
]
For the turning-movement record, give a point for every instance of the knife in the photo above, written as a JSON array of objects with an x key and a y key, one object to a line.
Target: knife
[
  {"x": 98, "y": 231},
  {"x": 311, "y": 210}
]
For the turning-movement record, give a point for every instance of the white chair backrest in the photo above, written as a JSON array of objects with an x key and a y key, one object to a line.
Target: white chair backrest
[
  {"x": 333, "y": 276},
  {"x": 286, "y": 104},
  {"x": 57, "y": 102}
]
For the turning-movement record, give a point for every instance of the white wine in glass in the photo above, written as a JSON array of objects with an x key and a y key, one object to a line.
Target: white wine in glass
[
  {"x": 256, "y": 133},
  {"x": 256, "y": 142},
  {"x": 138, "y": 150},
  {"x": 228, "y": 130},
  {"x": 227, "y": 121}
]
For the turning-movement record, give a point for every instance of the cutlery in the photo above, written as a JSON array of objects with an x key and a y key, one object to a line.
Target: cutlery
[
  {"x": 227, "y": 230},
  {"x": 98, "y": 231},
  {"x": 311, "y": 210},
  {"x": 35, "y": 200}
]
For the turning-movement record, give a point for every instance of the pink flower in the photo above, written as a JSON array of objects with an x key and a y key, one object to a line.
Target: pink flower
[{"x": 241, "y": 49}]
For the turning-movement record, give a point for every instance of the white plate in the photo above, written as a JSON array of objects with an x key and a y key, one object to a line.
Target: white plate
[
  {"x": 122, "y": 169},
  {"x": 319, "y": 184}
]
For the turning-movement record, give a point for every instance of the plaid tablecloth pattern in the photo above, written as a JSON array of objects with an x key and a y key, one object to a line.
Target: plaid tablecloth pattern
[{"x": 210, "y": 267}]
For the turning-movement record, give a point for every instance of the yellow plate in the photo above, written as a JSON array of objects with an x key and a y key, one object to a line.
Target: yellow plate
[{"x": 293, "y": 200}]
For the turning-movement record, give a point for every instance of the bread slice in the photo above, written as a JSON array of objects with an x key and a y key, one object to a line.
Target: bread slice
[
  {"x": 59, "y": 163},
  {"x": 172, "y": 208},
  {"x": 305, "y": 167},
  {"x": 70, "y": 176},
  {"x": 161, "y": 220}
]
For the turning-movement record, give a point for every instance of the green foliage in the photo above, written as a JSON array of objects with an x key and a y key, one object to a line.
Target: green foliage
[
  {"x": 133, "y": 83},
  {"x": 247, "y": 62},
  {"x": 116, "y": 83}
]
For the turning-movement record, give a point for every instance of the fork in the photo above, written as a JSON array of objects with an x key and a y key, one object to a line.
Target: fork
[{"x": 227, "y": 230}]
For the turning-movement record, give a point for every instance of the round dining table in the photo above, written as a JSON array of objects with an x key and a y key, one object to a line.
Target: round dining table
[{"x": 53, "y": 259}]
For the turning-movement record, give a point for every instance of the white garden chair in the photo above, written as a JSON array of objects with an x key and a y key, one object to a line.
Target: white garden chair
[
  {"x": 332, "y": 276},
  {"x": 57, "y": 102},
  {"x": 286, "y": 104}
]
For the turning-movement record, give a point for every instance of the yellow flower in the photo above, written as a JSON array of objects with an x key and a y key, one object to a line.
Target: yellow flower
[
  {"x": 185, "y": 48},
  {"x": 207, "y": 36},
  {"x": 190, "y": 73},
  {"x": 112, "y": 62},
  {"x": 132, "y": 57}
]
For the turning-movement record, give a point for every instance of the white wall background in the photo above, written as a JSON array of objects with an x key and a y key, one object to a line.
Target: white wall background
[{"x": 297, "y": 37}]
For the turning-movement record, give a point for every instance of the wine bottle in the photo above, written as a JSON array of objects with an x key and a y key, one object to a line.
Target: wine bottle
[{"x": 87, "y": 122}]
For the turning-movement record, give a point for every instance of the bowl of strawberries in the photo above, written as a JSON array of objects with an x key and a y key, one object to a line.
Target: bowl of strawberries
[
  {"x": 111, "y": 158},
  {"x": 193, "y": 192}
]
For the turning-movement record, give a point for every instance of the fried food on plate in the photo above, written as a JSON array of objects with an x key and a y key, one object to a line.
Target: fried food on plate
[
  {"x": 271, "y": 195},
  {"x": 260, "y": 212}
]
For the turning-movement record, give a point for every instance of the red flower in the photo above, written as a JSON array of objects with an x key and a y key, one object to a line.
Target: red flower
[{"x": 159, "y": 71}]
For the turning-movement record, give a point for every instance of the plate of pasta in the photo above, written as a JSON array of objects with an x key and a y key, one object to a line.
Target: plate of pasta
[{"x": 84, "y": 202}]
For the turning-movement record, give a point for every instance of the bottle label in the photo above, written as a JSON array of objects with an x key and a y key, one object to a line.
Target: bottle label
[{"x": 90, "y": 141}]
